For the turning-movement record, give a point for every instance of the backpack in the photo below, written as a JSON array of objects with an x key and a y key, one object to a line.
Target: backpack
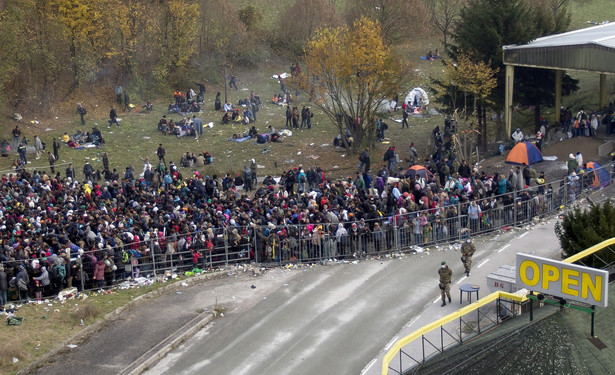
[
  {"x": 61, "y": 271},
  {"x": 301, "y": 178},
  {"x": 125, "y": 257}
]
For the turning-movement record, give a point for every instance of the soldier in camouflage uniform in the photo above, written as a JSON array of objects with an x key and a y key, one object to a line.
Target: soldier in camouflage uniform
[
  {"x": 445, "y": 282},
  {"x": 467, "y": 250}
]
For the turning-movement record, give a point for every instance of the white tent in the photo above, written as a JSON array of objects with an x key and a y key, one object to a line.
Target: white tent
[{"x": 417, "y": 97}]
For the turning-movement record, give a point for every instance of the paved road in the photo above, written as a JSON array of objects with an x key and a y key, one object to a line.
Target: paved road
[{"x": 335, "y": 319}]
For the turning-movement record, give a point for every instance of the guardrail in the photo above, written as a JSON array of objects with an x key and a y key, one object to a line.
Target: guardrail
[{"x": 397, "y": 348}]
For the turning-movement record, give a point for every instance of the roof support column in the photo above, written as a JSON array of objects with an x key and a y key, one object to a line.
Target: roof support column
[
  {"x": 508, "y": 100},
  {"x": 602, "y": 90},
  {"x": 558, "y": 94}
]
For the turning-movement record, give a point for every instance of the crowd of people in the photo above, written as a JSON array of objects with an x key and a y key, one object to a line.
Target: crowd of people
[{"x": 102, "y": 223}]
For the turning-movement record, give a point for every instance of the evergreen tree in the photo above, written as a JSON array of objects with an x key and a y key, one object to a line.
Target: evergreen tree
[{"x": 581, "y": 229}]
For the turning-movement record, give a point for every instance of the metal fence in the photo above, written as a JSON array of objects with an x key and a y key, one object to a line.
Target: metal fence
[{"x": 288, "y": 243}]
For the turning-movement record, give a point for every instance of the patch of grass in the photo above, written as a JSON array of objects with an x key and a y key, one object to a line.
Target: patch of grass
[{"x": 86, "y": 313}]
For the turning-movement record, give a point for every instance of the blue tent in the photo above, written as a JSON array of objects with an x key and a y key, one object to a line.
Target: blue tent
[{"x": 601, "y": 175}]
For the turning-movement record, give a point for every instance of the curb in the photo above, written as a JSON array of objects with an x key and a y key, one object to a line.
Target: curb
[
  {"x": 155, "y": 354},
  {"x": 81, "y": 335}
]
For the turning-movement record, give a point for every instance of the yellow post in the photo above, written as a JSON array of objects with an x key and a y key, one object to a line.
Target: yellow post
[
  {"x": 558, "y": 93},
  {"x": 602, "y": 90},
  {"x": 510, "y": 83}
]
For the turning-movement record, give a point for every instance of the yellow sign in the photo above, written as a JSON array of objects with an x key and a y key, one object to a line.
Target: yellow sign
[{"x": 569, "y": 281}]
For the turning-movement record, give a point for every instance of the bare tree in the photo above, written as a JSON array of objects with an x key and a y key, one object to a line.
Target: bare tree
[{"x": 444, "y": 13}]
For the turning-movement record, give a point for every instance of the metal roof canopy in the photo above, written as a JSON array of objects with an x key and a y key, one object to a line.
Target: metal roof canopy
[{"x": 591, "y": 49}]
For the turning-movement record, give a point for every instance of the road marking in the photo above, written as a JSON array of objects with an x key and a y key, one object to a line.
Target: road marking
[
  {"x": 437, "y": 300},
  {"x": 503, "y": 248},
  {"x": 482, "y": 263},
  {"x": 370, "y": 364},
  {"x": 393, "y": 341},
  {"x": 460, "y": 280},
  {"x": 522, "y": 235}
]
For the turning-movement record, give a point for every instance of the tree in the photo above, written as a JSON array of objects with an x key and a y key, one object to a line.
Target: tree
[
  {"x": 581, "y": 229},
  {"x": 356, "y": 71},
  {"x": 487, "y": 25},
  {"x": 475, "y": 79},
  {"x": 444, "y": 14},
  {"x": 250, "y": 17},
  {"x": 399, "y": 19},
  {"x": 293, "y": 36}
]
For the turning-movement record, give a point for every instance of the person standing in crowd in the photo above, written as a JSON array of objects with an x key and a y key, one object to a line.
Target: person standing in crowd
[
  {"x": 572, "y": 164},
  {"x": 88, "y": 171},
  {"x": 445, "y": 274},
  {"x": 119, "y": 91},
  {"x": 253, "y": 169},
  {"x": 56, "y": 149},
  {"x": 105, "y": 161},
  {"x": 52, "y": 162},
  {"x": 16, "y": 136},
  {"x": 161, "y": 152},
  {"x": 22, "y": 150},
  {"x": 413, "y": 154},
  {"x": 233, "y": 82},
  {"x": 467, "y": 250},
  {"x": 4, "y": 286},
  {"x": 405, "y": 119},
  {"x": 70, "y": 172},
  {"x": 126, "y": 101},
  {"x": 517, "y": 135},
  {"x": 198, "y": 125},
  {"x": 81, "y": 111},
  {"x": 364, "y": 160},
  {"x": 289, "y": 117},
  {"x": 113, "y": 117},
  {"x": 38, "y": 146}
]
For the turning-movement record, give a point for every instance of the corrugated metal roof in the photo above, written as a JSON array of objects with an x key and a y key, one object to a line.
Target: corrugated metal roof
[{"x": 589, "y": 49}]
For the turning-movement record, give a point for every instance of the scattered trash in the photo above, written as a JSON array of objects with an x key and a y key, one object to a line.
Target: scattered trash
[
  {"x": 184, "y": 283},
  {"x": 253, "y": 286},
  {"x": 71, "y": 346},
  {"x": 15, "y": 359}
]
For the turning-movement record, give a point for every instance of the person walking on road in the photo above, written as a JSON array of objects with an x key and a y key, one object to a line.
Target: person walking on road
[
  {"x": 445, "y": 282},
  {"x": 467, "y": 250}
]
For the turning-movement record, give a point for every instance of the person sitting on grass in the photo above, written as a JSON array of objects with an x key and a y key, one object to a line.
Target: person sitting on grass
[{"x": 226, "y": 118}]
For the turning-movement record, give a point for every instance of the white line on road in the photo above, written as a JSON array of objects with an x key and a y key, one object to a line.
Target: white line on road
[
  {"x": 370, "y": 364},
  {"x": 393, "y": 340},
  {"x": 460, "y": 280},
  {"x": 412, "y": 321},
  {"x": 437, "y": 300},
  {"x": 503, "y": 248},
  {"x": 522, "y": 235},
  {"x": 482, "y": 263}
]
